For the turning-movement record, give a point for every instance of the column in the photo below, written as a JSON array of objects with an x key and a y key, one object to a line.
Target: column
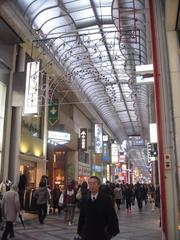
[
  {"x": 7, "y": 128},
  {"x": 16, "y": 127}
]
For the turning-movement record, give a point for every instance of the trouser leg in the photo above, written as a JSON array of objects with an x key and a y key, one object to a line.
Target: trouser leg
[{"x": 7, "y": 231}]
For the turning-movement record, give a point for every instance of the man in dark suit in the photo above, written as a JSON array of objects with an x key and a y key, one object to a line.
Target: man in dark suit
[{"x": 97, "y": 219}]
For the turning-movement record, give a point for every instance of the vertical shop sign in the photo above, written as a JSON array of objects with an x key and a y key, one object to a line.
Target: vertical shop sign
[
  {"x": 105, "y": 152},
  {"x": 98, "y": 138},
  {"x": 114, "y": 153},
  {"x": 32, "y": 88},
  {"x": 83, "y": 137},
  {"x": 53, "y": 111}
]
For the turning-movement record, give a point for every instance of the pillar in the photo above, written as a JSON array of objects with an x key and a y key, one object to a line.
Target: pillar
[
  {"x": 14, "y": 161},
  {"x": 7, "y": 128}
]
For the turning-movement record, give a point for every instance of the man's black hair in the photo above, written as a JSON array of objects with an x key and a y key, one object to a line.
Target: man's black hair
[{"x": 95, "y": 177}]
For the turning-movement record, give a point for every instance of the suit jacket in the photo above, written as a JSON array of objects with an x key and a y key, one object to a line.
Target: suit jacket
[{"x": 98, "y": 219}]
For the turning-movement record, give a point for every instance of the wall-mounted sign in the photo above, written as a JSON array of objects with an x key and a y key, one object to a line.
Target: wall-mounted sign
[
  {"x": 84, "y": 170},
  {"x": 98, "y": 138},
  {"x": 32, "y": 86},
  {"x": 59, "y": 137},
  {"x": 114, "y": 153},
  {"x": 83, "y": 139}
]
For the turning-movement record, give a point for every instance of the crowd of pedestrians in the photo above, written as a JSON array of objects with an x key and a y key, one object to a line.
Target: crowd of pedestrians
[{"x": 98, "y": 204}]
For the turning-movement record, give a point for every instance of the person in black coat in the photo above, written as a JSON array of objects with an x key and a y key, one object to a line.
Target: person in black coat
[{"x": 97, "y": 219}]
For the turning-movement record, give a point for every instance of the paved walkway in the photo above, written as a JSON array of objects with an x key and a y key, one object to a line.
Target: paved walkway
[{"x": 135, "y": 226}]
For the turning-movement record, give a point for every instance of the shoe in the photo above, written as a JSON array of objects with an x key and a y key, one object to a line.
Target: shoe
[{"x": 69, "y": 223}]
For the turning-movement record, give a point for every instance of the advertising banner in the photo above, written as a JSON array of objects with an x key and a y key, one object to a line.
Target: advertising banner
[{"x": 32, "y": 88}]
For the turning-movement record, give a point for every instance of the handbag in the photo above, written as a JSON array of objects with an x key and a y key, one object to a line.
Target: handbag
[{"x": 77, "y": 237}]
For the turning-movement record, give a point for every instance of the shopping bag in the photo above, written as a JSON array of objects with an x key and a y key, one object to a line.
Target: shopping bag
[{"x": 61, "y": 200}]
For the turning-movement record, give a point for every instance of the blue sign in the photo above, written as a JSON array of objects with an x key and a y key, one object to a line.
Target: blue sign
[{"x": 105, "y": 156}]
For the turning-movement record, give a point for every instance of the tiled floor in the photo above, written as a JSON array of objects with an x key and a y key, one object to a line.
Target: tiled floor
[{"x": 135, "y": 226}]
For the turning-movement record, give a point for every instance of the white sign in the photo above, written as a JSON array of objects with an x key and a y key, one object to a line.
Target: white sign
[
  {"x": 32, "y": 85},
  {"x": 114, "y": 153},
  {"x": 98, "y": 138},
  {"x": 83, "y": 133},
  {"x": 59, "y": 137},
  {"x": 105, "y": 138},
  {"x": 153, "y": 132},
  {"x": 144, "y": 69}
]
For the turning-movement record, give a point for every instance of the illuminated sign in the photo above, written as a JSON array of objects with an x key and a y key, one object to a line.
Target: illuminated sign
[
  {"x": 98, "y": 138},
  {"x": 122, "y": 158},
  {"x": 83, "y": 137},
  {"x": 114, "y": 153},
  {"x": 32, "y": 85},
  {"x": 108, "y": 172},
  {"x": 153, "y": 132},
  {"x": 124, "y": 167},
  {"x": 135, "y": 141},
  {"x": 105, "y": 138},
  {"x": 105, "y": 156},
  {"x": 59, "y": 137},
  {"x": 144, "y": 69}
]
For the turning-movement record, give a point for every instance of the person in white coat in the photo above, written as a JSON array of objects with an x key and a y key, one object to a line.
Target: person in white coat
[{"x": 10, "y": 209}]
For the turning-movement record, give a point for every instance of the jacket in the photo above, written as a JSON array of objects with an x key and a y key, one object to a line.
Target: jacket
[
  {"x": 10, "y": 205},
  {"x": 41, "y": 195}
]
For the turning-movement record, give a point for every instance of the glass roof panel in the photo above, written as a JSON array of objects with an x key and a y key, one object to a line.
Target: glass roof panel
[
  {"x": 83, "y": 15},
  {"x": 76, "y": 4},
  {"x": 53, "y": 19},
  {"x": 103, "y": 2},
  {"x": 104, "y": 12},
  {"x": 36, "y": 7}
]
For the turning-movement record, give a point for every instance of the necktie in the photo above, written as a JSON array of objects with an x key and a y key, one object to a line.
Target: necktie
[{"x": 93, "y": 199}]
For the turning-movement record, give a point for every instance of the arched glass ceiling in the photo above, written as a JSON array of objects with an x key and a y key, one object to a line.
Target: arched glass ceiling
[{"x": 98, "y": 43}]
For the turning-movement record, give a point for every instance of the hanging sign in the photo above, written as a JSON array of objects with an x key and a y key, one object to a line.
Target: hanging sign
[
  {"x": 32, "y": 86},
  {"x": 98, "y": 138},
  {"x": 83, "y": 137},
  {"x": 53, "y": 111}
]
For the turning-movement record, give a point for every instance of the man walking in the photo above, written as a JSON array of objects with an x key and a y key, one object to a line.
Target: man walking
[
  {"x": 97, "y": 219},
  {"x": 10, "y": 209}
]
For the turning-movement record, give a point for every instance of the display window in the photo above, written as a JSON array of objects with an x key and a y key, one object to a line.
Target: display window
[
  {"x": 59, "y": 178},
  {"x": 29, "y": 169}
]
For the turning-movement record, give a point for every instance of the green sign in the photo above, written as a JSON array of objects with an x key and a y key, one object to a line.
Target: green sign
[{"x": 53, "y": 111}]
